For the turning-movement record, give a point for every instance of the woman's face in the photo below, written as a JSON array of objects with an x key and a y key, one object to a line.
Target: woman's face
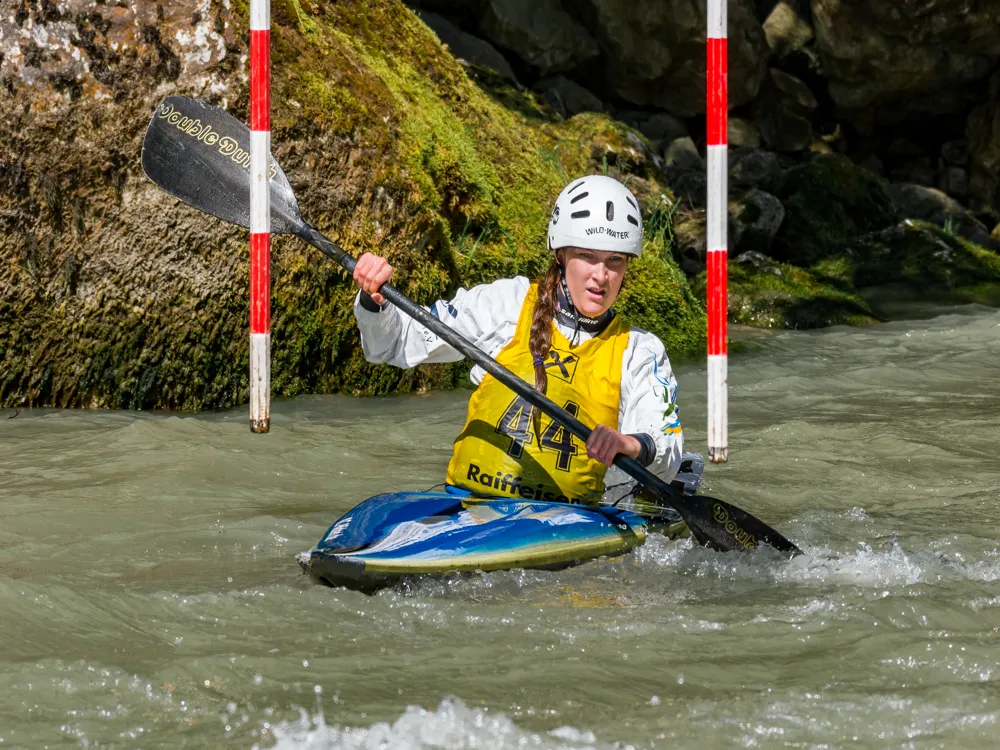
[{"x": 594, "y": 278}]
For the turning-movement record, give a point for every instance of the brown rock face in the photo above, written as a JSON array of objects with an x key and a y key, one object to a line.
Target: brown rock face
[
  {"x": 92, "y": 299},
  {"x": 114, "y": 294},
  {"x": 983, "y": 132},
  {"x": 887, "y": 60},
  {"x": 654, "y": 51}
]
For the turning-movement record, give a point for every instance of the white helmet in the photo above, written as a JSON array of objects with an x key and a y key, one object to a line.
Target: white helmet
[{"x": 596, "y": 213}]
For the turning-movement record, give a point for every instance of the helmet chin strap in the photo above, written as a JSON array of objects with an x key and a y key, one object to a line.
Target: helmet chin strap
[{"x": 568, "y": 313}]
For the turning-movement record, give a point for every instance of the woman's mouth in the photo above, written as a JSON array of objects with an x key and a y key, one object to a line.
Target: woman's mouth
[{"x": 596, "y": 294}]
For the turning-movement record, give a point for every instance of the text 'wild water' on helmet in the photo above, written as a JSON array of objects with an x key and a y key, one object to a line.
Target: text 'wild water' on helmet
[{"x": 596, "y": 213}]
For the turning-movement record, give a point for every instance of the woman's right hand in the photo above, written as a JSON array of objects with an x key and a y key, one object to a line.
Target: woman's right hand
[{"x": 370, "y": 273}]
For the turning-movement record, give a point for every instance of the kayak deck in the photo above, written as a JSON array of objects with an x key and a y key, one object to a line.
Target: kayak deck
[
  {"x": 390, "y": 537},
  {"x": 394, "y": 536}
]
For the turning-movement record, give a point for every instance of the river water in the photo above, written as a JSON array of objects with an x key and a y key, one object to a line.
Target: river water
[{"x": 149, "y": 596}]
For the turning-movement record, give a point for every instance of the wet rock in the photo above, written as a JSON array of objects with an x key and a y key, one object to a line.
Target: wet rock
[
  {"x": 663, "y": 127},
  {"x": 883, "y": 62},
  {"x": 742, "y": 132},
  {"x": 567, "y": 97},
  {"x": 787, "y": 27},
  {"x": 114, "y": 294},
  {"x": 767, "y": 294},
  {"x": 914, "y": 201},
  {"x": 929, "y": 259},
  {"x": 754, "y": 168},
  {"x": 794, "y": 91},
  {"x": 829, "y": 202},
  {"x": 682, "y": 154},
  {"x": 467, "y": 47},
  {"x": 983, "y": 133},
  {"x": 758, "y": 220},
  {"x": 540, "y": 32},
  {"x": 759, "y": 262},
  {"x": 783, "y": 112}
]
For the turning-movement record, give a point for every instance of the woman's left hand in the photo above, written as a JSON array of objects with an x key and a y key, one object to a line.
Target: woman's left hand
[{"x": 605, "y": 443}]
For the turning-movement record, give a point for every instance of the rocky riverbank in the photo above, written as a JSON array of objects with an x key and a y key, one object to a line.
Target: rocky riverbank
[{"x": 446, "y": 157}]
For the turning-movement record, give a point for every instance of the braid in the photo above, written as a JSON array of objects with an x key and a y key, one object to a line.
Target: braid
[{"x": 541, "y": 325}]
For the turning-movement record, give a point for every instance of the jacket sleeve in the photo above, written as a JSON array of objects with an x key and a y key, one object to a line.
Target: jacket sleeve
[
  {"x": 486, "y": 315},
  {"x": 648, "y": 406}
]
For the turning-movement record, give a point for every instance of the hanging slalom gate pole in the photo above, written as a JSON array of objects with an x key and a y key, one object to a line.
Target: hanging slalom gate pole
[
  {"x": 716, "y": 126},
  {"x": 260, "y": 216}
]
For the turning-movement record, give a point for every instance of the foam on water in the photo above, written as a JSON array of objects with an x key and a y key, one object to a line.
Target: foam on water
[
  {"x": 149, "y": 594},
  {"x": 451, "y": 726}
]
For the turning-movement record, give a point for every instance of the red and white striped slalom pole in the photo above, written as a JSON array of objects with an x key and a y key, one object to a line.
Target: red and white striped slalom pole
[
  {"x": 260, "y": 216},
  {"x": 717, "y": 105}
]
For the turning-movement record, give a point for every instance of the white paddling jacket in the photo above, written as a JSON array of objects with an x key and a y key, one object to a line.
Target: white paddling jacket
[{"x": 487, "y": 316}]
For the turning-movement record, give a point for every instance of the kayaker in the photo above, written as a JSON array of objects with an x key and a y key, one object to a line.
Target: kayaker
[{"x": 563, "y": 334}]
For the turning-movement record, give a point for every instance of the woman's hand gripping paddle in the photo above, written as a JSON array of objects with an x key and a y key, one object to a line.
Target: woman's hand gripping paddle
[{"x": 201, "y": 155}]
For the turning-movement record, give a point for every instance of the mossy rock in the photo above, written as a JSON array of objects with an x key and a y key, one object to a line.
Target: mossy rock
[
  {"x": 781, "y": 295},
  {"x": 829, "y": 203},
  {"x": 927, "y": 259},
  {"x": 115, "y": 295}
]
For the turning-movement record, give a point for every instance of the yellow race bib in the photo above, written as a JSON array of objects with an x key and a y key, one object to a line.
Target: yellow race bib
[{"x": 498, "y": 452}]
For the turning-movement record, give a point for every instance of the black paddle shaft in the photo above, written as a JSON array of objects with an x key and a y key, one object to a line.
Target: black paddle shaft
[
  {"x": 730, "y": 527},
  {"x": 201, "y": 155}
]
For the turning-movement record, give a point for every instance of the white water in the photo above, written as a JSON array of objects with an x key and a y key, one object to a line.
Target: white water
[{"x": 149, "y": 595}]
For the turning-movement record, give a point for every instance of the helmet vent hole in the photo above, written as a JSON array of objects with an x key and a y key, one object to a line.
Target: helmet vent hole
[
  {"x": 575, "y": 187},
  {"x": 580, "y": 197},
  {"x": 611, "y": 211},
  {"x": 634, "y": 204},
  {"x": 632, "y": 220},
  {"x": 579, "y": 214}
]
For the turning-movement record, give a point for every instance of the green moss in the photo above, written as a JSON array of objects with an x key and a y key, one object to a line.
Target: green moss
[
  {"x": 656, "y": 297},
  {"x": 391, "y": 147},
  {"x": 829, "y": 203},
  {"x": 929, "y": 259},
  {"x": 785, "y": 296}
]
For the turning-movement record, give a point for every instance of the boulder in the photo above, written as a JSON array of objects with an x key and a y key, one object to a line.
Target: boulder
[
  {"x": 539, "y": 32},
  {"x": 114, "y": 294},
  {"x": 754, "y": 168},
  {"x": 783, "y": 112},
  {"x": 793, "y": 90},
  {"x": 741, "y": 132},
  {"x": 954, "y": 181},
  {"x": 653, "y": 51},
  {"x": 829, "y": 203},
  {"x": 567, "y": 97},
  {"x": 663, "y": 127},
  {"x": 983, "y": 133},
  {"x": 788, "y": 28},
  {"x": 758, "y": 220},
  {"x": 683, "y": 154},
  {"x": 887, "y": 61},
  {"x": 922, "y": 203},
  {"x": 466, "y": 47}
]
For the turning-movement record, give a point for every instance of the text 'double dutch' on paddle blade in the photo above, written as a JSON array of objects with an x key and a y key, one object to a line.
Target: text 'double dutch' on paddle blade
[
  {"x": 725, "y": 527},
  {"x": 201, "y": 155}
]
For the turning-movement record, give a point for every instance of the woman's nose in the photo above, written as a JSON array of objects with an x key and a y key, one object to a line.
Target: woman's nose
[{"x": 600, "y": 273}]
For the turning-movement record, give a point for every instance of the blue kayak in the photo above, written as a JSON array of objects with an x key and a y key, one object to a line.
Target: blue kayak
[
  {"x": 402, "y": 534},
  {"x": 390, "y": 537}
]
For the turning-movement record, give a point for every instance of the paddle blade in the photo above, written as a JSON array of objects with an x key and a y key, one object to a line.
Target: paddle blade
[
  {"x": 201, "y": 154},
  {"x": 726, "y": 528}
]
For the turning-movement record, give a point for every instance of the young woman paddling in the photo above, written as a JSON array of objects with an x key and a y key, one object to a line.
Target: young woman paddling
[{"x": 561, "y": 333}]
